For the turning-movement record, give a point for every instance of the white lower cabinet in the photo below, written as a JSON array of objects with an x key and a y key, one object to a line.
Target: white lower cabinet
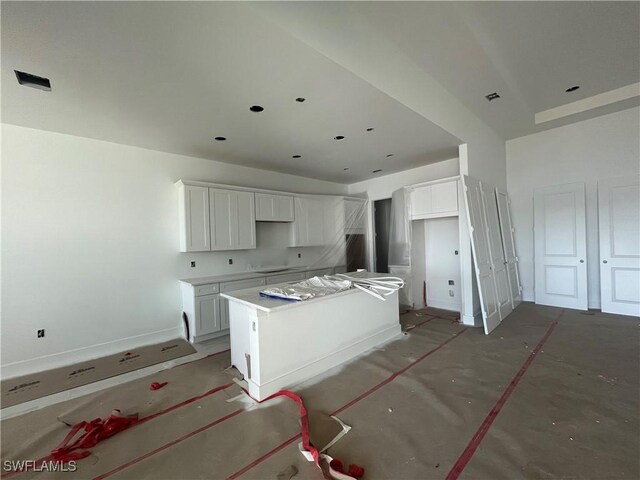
[
  {"x": 231, "y": 287},
  {"x": 207, "y": 314}
]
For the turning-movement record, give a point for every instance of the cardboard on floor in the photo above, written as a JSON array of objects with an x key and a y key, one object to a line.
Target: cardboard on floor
[{"x": 551, "y": 393}]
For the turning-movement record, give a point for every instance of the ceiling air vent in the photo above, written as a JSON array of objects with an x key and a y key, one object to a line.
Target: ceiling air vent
[{"x": 29, "y": 80}]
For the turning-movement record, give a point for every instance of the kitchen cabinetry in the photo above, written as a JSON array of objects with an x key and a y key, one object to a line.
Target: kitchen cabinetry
[
  {"x": 435, "y": 200},
  {"x": 320, "y": 272},
  {"x": 233, "y": 219},
  {"x": 274, "y": 208},
  {"x": 308, "y": 227},
  {"x": 193, "y": 213},
  {"x": 230, "y": 287},
  {"x": 207, "y": 314},
  {"x": 354, "y": 216}
]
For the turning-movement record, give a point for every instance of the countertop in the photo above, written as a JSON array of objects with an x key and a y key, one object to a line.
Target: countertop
[
  {"x": 230, "y": 277},
  {"x": 251, "y": 296}
]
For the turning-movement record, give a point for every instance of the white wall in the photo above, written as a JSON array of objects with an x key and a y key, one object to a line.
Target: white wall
[
  {"x": 603, "y": 147},
  {"x": 90, "y": 244}
]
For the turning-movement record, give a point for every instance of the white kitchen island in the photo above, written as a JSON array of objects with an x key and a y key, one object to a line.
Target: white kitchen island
[{"x": 276, "y": 344}]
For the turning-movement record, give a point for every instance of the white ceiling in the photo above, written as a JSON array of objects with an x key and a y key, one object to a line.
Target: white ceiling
[
  {"x": 528, "y": 52},
  {"x": 170, "y": 76}
]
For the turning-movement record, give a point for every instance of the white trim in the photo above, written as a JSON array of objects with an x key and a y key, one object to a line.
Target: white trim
[
  {"x": 589, "y": 103},
  {"x": 69, "y": 357}
]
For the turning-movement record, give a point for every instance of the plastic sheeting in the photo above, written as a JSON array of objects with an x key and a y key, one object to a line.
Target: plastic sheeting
[{"x": 400, "y": 242}]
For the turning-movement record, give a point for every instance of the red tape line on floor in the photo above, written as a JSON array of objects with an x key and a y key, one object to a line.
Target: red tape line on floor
[
  {"x": 350, "y": 404},
  {"x": 468, "y": 452},
  {"x": 140, "y": 421}
]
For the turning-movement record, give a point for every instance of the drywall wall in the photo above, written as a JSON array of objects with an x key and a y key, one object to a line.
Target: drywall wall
[
  {"x": 90, "y": 244},
  {"x": 588, "y": 151}
]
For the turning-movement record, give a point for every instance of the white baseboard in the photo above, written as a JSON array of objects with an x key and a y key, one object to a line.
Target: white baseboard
[
  {"x": 69, "y": 357},
  {"x": 474, "y": 320}
]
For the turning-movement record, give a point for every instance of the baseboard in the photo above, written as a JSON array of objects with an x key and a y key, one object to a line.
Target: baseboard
[
  {"x": 69, "y": 357},
  {"x": 474, "y": 320},
  {"x": 444, "y": 305}
]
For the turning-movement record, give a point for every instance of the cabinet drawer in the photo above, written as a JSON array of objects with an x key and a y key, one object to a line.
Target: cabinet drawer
[
  {"x": 242, "y": 284},
  {"x": 287, "y": 277},
  {"x": 206, "y": 289}
]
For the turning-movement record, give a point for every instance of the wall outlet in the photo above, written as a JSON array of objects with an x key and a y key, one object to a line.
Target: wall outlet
[
  {"x": 451, "y": 293},
  {"x": 451, "y": 282},
  {"x": 193, "y": 264},
  {"x": 41, "y": 333},
  {"x": 299, "y": 255},
  {"x": 455, "y": 252},
  {"x": 231, "y": 261}
]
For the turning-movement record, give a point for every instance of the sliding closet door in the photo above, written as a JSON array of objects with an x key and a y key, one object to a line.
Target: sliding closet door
[
  {"x": 619, "y": 219},
  {"x": 480, "y": 249},
  {"x": 560, "y": 246},
  {"x": 509, "y": 247}
]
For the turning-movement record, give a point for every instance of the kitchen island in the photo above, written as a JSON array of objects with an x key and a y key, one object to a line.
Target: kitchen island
[{"x": 277, "y": 343}]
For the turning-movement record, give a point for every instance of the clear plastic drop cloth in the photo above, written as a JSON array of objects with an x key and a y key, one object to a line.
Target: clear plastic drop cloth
[{"x": 400, "y": 242}]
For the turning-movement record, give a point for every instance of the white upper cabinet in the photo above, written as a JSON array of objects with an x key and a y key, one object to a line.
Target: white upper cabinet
[
  {"x": 355, "y": 215},
  {"x": 193, "y": 213},
  {"x": 233, "y": 219},
  {"x": 274, "y": 208},
  {"x": 308, "y": 227},
  {"x": 435, "y": 200}
]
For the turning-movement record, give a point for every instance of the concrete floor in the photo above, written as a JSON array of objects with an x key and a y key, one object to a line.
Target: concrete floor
[{"x": 552, "y": 393}]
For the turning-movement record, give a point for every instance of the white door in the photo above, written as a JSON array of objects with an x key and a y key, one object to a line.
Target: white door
[
  {"x": 496, "y": 252},
  {"x": 509, "y": 247},
  {"x": 560, "y": 246},
  {"x": 481, "y": 253},
  {"x": 619, "y": 217}
]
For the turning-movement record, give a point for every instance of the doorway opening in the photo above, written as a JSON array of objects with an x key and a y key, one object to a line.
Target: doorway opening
[{"x": 382, "y": 224}]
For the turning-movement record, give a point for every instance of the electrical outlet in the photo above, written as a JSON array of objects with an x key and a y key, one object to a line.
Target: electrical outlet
[
  {"x": 299, "y": 255},
  {"x": 231, "y": 261},
  {"x": 451, "y": 282},
  {"x": 193, "y": 264},
  {"x": 455, "y": 252},
  {"x": 41, "y": 333},
  {"x": 451, "y": 293}
]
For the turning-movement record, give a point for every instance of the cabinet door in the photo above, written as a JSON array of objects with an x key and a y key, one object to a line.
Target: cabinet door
[
  {"x": 300, "y": 227},
  {"x": 444, "y": 197},
  {"x": 266, "y": 207},
  {"x": 207, "y": 314},
  {"x": 245, "y": 221},
  {"x": 194, "y": 219},
  {"x": 285, "y": 208},
  {"x": 421, "y": 202},
  {"x": 232, "y": 219}
]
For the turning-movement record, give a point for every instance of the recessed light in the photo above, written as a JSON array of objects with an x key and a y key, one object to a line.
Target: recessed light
[
  {"x": 300, "y": 99},
  {"x": 220, "y": 139},
  {"x": 256, "y": 108},
  {"x": 296, "y": 156},
  {"x": 376, "y": 171},
  {"x": 339, "y": 137},
  {"x": 345, "y": 169},
  {"x": 572, "y": 89},
  {"x": 370, "y": 129},
  {"x": 390, "y": 154},
  {"x": 492, "y": 96},
  {"x": 30, "y": 80}
]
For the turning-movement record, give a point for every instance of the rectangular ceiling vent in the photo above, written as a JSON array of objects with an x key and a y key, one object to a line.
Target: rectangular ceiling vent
[{"x": 29, "y": 80}]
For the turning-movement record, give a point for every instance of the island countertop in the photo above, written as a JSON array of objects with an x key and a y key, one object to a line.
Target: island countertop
[{"x": 251, "y": 297}]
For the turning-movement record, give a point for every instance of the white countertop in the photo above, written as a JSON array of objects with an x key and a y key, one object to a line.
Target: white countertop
[
  {"x": 251, "y": 296},
  {"x": 230, "y": 277}
]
